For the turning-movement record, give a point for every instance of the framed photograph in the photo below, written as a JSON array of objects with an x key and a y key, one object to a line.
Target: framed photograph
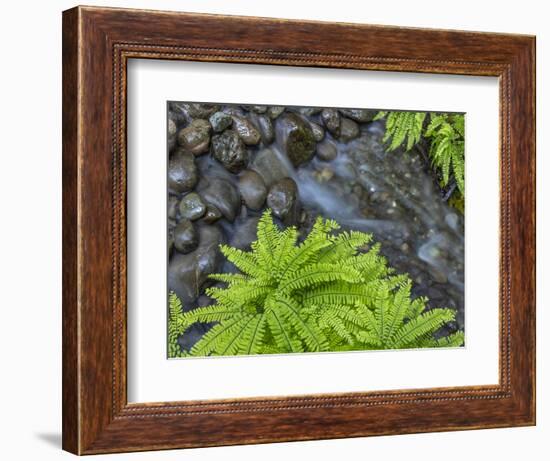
[{"x": 285, "y": 230}]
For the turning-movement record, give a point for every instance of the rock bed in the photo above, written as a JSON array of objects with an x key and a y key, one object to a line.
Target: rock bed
[{"x": 228, "y": 163}]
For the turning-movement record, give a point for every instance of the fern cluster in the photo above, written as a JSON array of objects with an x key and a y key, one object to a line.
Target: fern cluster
[
  {"x": 331, "y": 292},
  {"x": 445, "y": 133}
]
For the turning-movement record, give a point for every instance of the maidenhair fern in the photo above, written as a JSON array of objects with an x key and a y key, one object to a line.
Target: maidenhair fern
[
  {"x": 176, "y": 325},
  {"x": 402, "y": 127},
  {"x": 445, "y": 132},
  {"x": 327, "y": 293}
]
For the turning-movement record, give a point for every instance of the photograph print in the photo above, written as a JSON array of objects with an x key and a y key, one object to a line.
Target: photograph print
[{"x": 313, "y": 229}]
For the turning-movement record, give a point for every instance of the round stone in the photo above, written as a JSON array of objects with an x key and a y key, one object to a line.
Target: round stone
[
  {"x": 185, "y": 237},
  {"x": 326, "y": 151},
  {"x": 331, "y": 119},
  {"x": 183, "y": 173},
  {"x": 253, "y": 189},
  {"x": 282, "y": 199},
  {"x": 246, "y": 130},
  {"x": 196, "y": 137},
  {"x": 192, "y": 207}
]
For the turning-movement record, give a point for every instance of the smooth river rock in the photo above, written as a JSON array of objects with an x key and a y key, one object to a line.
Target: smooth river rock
[
  {"x": 331, "y": 119},
  {"x": 253, "y": 189},
  {"x": 283, "y": 200},
  {"x": 266, "y": 129},
  {"x": 326, "y": 151},
  {"x": 348, "y": 130},
  {"x": 196, "y": 137},
  {"x": 359, "y": 115},
  {"x": 188, "y": 273},
  {"x": 271, "y": 165},
  {"x": 183, "y": 173},
  {"x": 246, "y": 130},
  {"x": 185, "y": 236},
  {"x": 223, "y": 195},
  {"x": 192, "y": 206}
]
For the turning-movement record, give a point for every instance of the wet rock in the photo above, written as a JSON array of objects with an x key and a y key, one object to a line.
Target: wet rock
[
  {"x": 185, "y": 236},
  {"x": 176, "y": 113},
  {"x": 271, "y": 165},
  {"x": 274, "y": 111},
  {"x": 295, "y": 135},
  {"x": 182, "y": 172},
  {"x": 253, "y": 189},
  {"x": 283, "y": 200},
  {"x": 258, "y": 109},
  {"x": 245, "y": 232},
  {"x": 326, "y": 151},
  {"x": 348, "y": 130},
  {"x": 172, "y": 129},
  {"x": 208, "y": 253},
  {"x": 223, "y": 195},
  {"x": 192, "y": 206},
  {"x": 266, "y": 129},
  {"x": 196, "y": 137},
  {"x": 212, "y": 214},
  {"x": 173, "y": 203},
  {"x": 197, "y": 110},
  {"x": 309, "y": 111},
  {"x": 188, "y": 273},
  {"x": 220, "y": 121},
  {"x": 331, "y": 119},
  {"x": 359, "y": 115},
  {"x": 246, "y": 130},
  {"x": 318, "y": 131},
  {"x": 230, "y": 151}
]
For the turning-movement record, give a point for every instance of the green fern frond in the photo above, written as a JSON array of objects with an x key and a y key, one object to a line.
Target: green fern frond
[
  {"x": 307, "y": 330},
  {"x": 316, "y": 274},
  {"x": 417, "y": 328},
  {"x": 402, "y": 128},
  {"x": 246, "y": 262},
  {"x": 176, "y": 326}
]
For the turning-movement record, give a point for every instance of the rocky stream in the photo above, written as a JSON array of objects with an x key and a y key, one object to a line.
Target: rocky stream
[{"x": 228, "y": 163}]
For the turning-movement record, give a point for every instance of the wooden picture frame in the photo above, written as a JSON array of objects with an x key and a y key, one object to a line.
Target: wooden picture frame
[{"x": 97, "y": 43}]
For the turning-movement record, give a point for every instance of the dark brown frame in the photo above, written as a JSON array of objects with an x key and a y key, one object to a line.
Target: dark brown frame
[{"x": 97, "y": 43}]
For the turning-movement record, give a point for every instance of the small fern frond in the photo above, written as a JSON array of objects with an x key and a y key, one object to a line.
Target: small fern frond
[
  {"x": 308, "y": 331},
  {"x": 222, "y": 336},
  {"x": 415, "y": 329},
  {"x": 403, "y": 128},
  {"x": 268, "y": 239},
  {"x": 246, "y": 262},
  {"x": 316, "y": 274},
  {"x": 282, "y": 333}
]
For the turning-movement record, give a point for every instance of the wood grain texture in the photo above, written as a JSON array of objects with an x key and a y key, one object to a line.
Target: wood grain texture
[{"x": 97, "y": 43}]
